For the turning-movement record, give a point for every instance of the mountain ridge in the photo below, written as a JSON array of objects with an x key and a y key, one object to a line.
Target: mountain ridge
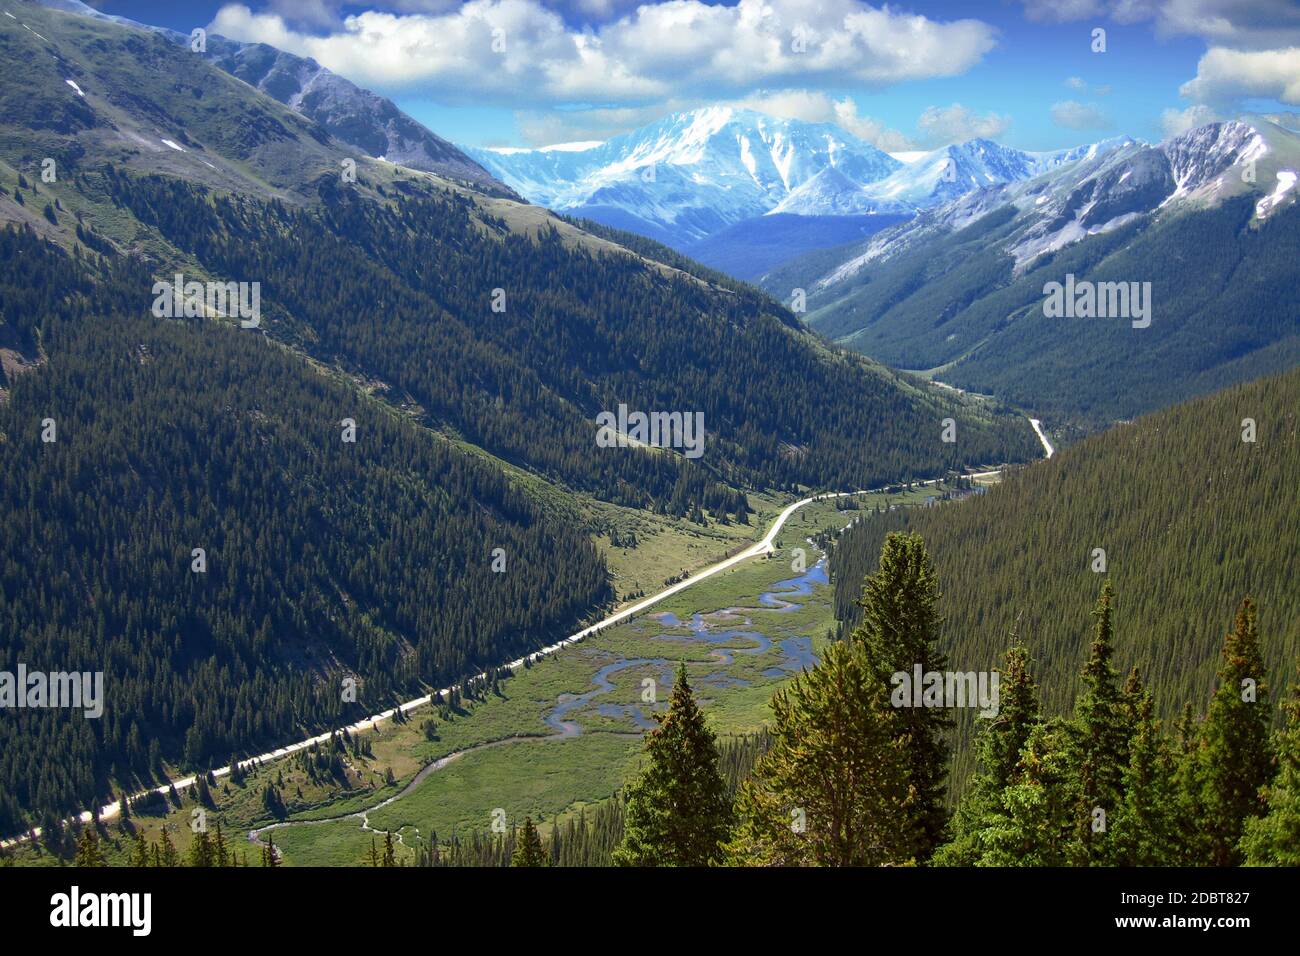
[{"x": 350, "y": 113}]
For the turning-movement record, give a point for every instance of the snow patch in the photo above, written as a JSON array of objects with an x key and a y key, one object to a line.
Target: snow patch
[
  {"x": 576, "y": 147},
  {"x": 1286, "y": 179},
  {"x": 175, "y": 146},
  {"x": 73, "y": 84}
]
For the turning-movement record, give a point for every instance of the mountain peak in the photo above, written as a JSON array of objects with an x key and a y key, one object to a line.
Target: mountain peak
[{"x": 691, "y": 173}]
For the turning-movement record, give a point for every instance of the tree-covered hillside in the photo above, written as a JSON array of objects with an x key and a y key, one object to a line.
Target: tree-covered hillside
[
  {"x": 1191, "y": 519},
  {"x": 322, "y": 558},
  {"x": 1222, "y": 311}
]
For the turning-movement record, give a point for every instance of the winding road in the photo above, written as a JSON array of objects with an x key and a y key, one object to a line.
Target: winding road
[{"x": 761, "y": 547}]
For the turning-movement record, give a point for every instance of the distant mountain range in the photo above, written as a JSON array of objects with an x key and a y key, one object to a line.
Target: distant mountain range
[
  {"x": 1209, "y": 219},
  {"x": 700, "y": 181},
  {"x": 689, "y": 175},
  {"x": 934, "y": 178}
]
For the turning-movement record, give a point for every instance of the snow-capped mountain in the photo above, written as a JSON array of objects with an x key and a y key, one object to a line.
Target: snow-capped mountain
[
  {"x": 1100, "y": 188},
  {"x": 1205, "y": 225},
  {"x": 690, "y": 174},
  {"x": 693, "y": 174},
  {"x": 936, "y": 177}
]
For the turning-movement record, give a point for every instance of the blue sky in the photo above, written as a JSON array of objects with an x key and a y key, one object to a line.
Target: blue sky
[{"x": 909, "y": 75}]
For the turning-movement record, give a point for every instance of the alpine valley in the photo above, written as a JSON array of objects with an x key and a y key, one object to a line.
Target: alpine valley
[{"x": 373, "y": 498}]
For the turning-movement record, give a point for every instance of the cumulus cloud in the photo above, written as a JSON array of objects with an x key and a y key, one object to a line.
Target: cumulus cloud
[
  {"x": 512, "y": 49},
  {"x": 940, "y": 126},
  {"x": 1075, "y": 115},
  {"x": 815, "y": 106},
  {"x": 1177, "y": 122},
  {"x": 548, "y": 127},
  {"x": 937, "y": 126},
  {"x": 1224, "y": 75}
]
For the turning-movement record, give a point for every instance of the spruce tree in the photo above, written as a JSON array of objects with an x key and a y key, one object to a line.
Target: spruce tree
[
  {"x": 1101, "y": 736},
  {"x": 1237, "y": 762},
  {"x": 900, "y": 629},
  {"x": 139, "y": 851},
  {"x": 170, "y": 856},
  {"x": 1144, "y": 831},
  {"x": 678, "y": 811},
  {"x": 220, "y": 851},
  {"x": 1274, "y": 839},
  {"x": 89, "y": 852},
  {"x": 1036, "y": 826},
  {"x": 201, "y": 851},
  {"x": 832, "y": 790},
  {"x": 390, "y": 851},
  {"x": 998, "y": 754},
  {"x": 528, "y": 848},
  {"x": 1192, "y": 848}
]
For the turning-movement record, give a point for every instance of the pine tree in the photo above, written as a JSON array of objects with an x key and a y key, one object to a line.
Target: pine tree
[
  {"x": 900, "y": 629},
  {"x": 89, "y": 852},
  {"x": 220, "y": 851},
  {"x": 1144, "y": 831},
  {"x": 1036, "y": 825},
  {"x": 528, "y": 848},
  {"x": 1237, "y": 762},
  {"x": 1101, "y": 735},
  {"x": 390, "y": 851},
  {"x": 678, "y": 812},
  {"x": 998, "y": 753},
  {"x": 140, "y": 851},
  {"x": 201, "y": 850},
  {"x": 832, "y": 790},
  {"x": 170, "y": 857},
  {"x": 1192, "y": 847},
  {"x": 1274, "y": 839}
]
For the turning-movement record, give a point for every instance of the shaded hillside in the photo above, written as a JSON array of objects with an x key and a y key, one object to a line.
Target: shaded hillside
[
  {"x": 1192, "y": 519},
  {"x": 323, "y": 558}
]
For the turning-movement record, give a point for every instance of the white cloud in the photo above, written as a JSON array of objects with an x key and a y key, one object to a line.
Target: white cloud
[
  {"x": 1177, "y": 122},
  {"x": 814, "y": 106},
  {"x": 653, "y": 52},
  {"x": 940, "y": 126},
  {"x": 1075, "y": 115},
  {"x": 1224, "y": 75},
  {"x": 936, "y": 126},
  {"x": 547, "y": 127},
  {"x": 1076, "y": 83}
]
